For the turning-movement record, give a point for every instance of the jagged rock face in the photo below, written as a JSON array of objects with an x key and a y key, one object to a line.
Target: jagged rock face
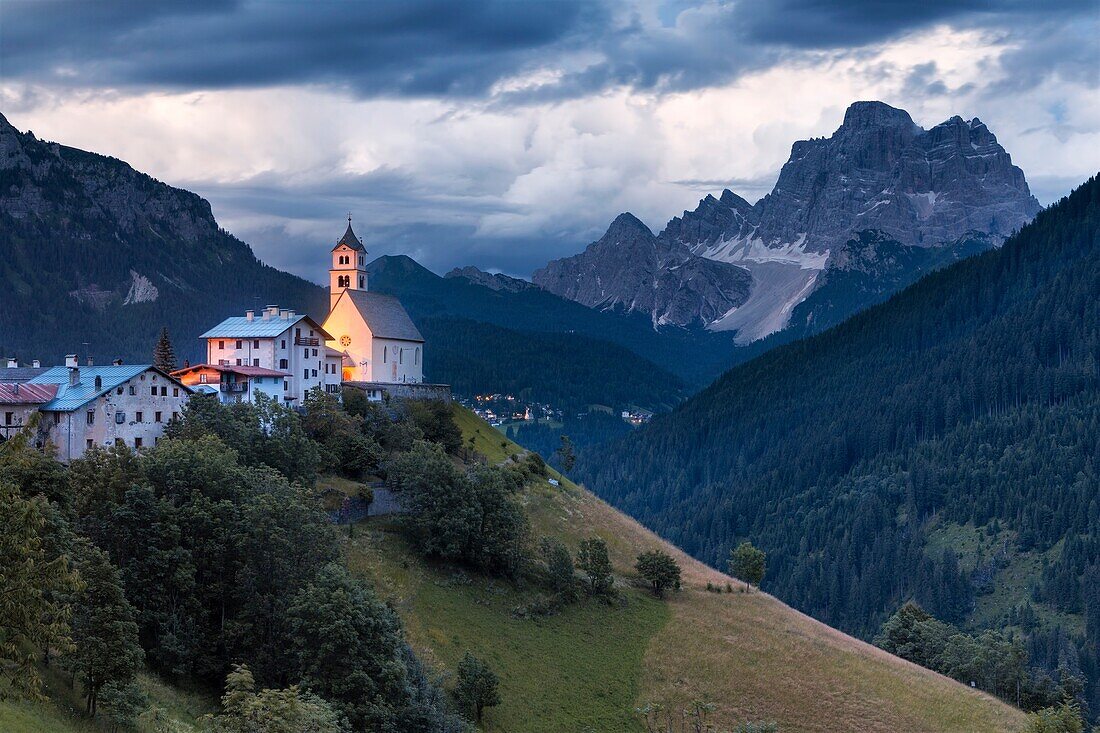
[
  {"x": 630, "y": 269},
  {"x": 879, "y": 172},
  {"x": 493, "y": 281}
]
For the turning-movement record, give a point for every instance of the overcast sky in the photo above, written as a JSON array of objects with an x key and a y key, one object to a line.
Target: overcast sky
[{"x": 502, "y": 134}]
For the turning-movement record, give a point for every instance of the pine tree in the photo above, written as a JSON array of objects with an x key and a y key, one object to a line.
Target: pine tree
[
  {"x": 31, "y": 582},
  {"x": 164, "y": 355}
]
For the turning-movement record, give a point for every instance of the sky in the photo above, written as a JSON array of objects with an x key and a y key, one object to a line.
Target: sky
[{"x": 506, "y": 133}]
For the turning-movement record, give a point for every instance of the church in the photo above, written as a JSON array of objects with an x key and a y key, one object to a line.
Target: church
[{"x": 377, "y": 339}]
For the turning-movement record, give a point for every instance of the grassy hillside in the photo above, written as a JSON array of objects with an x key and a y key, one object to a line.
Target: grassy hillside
[
  {"x": 62, "y": 712},
  {"x": 588, "y": 667}
]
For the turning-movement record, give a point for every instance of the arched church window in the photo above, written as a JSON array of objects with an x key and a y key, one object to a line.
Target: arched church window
[
  {"x": 401, "y": 356},
  {"x": 416, "y": 357},
  {"x": 385, "y": 354},
  {"x": 360, "y": 281}
]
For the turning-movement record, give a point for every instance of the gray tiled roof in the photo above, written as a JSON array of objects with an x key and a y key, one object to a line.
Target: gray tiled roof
[
  {"x": 20, "y": 374},
  {"x": 385, "y": 316}
]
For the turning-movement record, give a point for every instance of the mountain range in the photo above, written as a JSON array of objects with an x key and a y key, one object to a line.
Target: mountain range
[
  {"x": 939, "y": 447},
  {"x": 733, "y": 266}
]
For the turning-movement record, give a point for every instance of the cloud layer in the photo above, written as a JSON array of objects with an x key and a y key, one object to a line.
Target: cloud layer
[{"x": 505, "y": 133}]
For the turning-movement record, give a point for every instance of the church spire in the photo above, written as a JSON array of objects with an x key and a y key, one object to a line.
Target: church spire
[{"x": 349, "y": 270}]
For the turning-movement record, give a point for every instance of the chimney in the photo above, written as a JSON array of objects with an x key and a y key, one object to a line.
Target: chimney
[
  {"x": 266, "y": 314},
  {"x": 74, "y": 376},
  {"x": 12, "y": 363},
  {"x": 90, "y": 361},
  {"x": 116, "y": 362},
  {"x": 290, "y": 314},
  {"x": 70, "y": 361},
  {"x": 283, "y": 314},
  {"x": 250, "y": 316},
  {"x": 36, "y": 364}
]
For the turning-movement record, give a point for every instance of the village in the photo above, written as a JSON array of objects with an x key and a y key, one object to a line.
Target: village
[{"x": 367, "y": 342}]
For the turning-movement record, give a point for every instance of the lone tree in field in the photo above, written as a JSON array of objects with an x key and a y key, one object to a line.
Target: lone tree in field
[
  {"x": 593, "y": 560},
  {"x": 566, "y": 455},
  {"x": 477, "y": 686},
  {"x": 659, "y": 570},
  {"x": 747, "y": 563},
  {"x": 164, "y": 356}
]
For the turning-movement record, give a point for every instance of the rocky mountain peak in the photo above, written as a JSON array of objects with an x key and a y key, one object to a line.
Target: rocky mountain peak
[
  {"x": 492, "y": 280},
  {"x": 861, "y": 115},
  {"x": 878, "y": 171}
]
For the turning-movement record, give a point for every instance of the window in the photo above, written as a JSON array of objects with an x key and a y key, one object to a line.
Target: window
[
  {"x": 360, "y": 281},
  {"x": 400, "y": 356},
  {"x": 238, "y": 362},
  {"x": 120, "y": 417},
  {"x": 416, "y": 356},
  {"x": 175, "y": 415},
  {"x": 286, "y": 385},
  {"x": 175, "y": 391},
  {"x": 283, "y": 344},
  {"x": 221, "y": 344},
  {"x": 133, "y": 390},
  {"x": 315, "y": 352},
  {"x": 137, "y": 442},
  {"x": 88, "y": 444},
  {"x": 240, "y": 344},
  {"x": 256, "y": 344},
  {"x": 163, "y": 391},
  {"x": 258, "y": 380},
  {"x": 297, "y": 333},
  {"x": 203, "y": 377},
  {"x": 119, "y": 391},
  {"x": 315, "y": 372},
  {"x": 255, "y": 362},
  {"x": 305, "y": 374},
  {"x": 385, "y": 354},
  {"x": 156, "y": 417},
  {"x": 306, "y": 353},
  {"x": 283, "y": 363},
  {"x": 91, "y": 417},
  {"x": 9, "y": 418},
  {"x": 57, "y": 418},
  {"x": 311, "y": 332},
  {"x": 153, "y": 391},
  {"x": 138, "y": 416}
]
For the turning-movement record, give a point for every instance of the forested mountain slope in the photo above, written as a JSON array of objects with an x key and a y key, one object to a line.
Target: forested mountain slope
[
  {"x": 966, "y": 406},
  {"x": 96, "y": 252},
  {"x": 588, "y": 666}
]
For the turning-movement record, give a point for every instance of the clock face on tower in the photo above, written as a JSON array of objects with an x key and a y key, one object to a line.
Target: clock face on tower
[{"x": 345, "y": 341}]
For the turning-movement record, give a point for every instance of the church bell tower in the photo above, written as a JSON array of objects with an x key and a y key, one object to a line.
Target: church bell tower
[{"x": 349, "y": 266}]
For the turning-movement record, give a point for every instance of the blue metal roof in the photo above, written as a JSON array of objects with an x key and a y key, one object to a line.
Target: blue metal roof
[
  {"x": 74, "y": 396},
  {"x": 241, "y": 327}
]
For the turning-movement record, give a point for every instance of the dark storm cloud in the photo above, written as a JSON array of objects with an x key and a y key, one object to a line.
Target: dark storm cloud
[
  {"x": 444, "y": 48},
  {"x": 421, "y": 47},
  {"x": 845, "y": 23}
]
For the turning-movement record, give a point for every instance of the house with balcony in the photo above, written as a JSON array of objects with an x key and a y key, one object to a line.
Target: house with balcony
[
  {"x": 234, "y": 383},
  {"x": 276, "y": 340}
]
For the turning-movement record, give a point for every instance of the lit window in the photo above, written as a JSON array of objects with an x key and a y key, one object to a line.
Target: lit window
[{"x": 202, "y": 378}]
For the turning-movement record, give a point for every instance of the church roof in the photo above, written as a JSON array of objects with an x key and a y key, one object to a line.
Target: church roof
[
  {"x": 349, "y": 239},
  {"x": 385, "y": 316}
]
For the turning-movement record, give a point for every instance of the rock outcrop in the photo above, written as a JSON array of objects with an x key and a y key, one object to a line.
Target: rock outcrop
[{"x": 630, "y": 269}]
